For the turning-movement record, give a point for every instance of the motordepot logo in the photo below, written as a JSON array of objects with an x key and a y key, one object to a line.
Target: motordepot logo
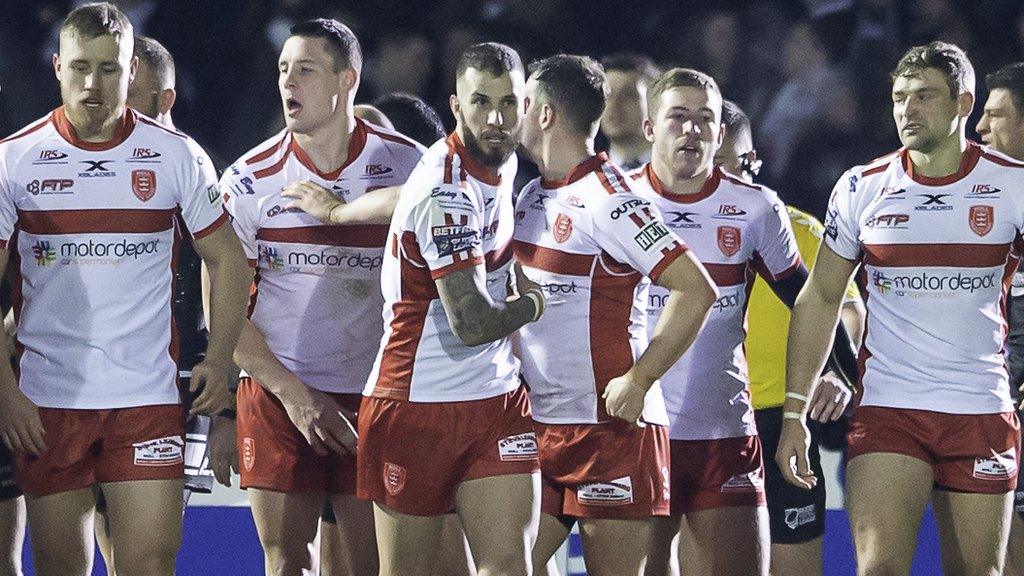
[
  {"x": 91, "y": 252},
  {"x": 43, "y": 253},
  {"x": 928, "y": 285},
  {"x": 329, "y": 258},
  {"x": 271, "y": 258}
]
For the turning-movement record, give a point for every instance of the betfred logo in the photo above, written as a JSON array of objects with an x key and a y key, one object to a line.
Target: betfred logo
[
  {"x": 980, "y": 218},
  {"x": 729, "y": 239},
  {"x": 562, "y": 229},
  {"x": 394, "y": 478},
  {"x": 166, "y": 451},
  {"x": 144, "y": 184}
]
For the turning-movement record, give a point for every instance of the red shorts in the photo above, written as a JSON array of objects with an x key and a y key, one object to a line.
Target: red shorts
[
  {"x": 976, "y": 453},
  {"x": 413, "y": 455},
  {"x": 721, "y": 473},
  {"x": 611, "y": 470},
  {"x": 273, "y": 454},
  {"x": 89, "y": 447}
]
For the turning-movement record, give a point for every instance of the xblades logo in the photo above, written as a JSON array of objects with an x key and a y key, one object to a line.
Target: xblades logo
[
  {"x": 96, "y": 169},
  {"x": 933, "y": 202},
  {"x": 96, "y": 165},
  {"x": 682, "y": 219}
]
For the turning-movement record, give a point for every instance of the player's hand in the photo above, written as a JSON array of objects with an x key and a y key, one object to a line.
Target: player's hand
[
  {"x": 311, "y": 198},
  {"x": 524, "y": 285},
  {"x": 624, "y": 399},
  {"x": 210, "y": 381},
  {"x": 223, "y": 449},
  {"x": 322, "y": 422},
  {"x": 792, "y": 454},
  {"x": 20, "y": 427},
  {"x": 830, "y": 398}
]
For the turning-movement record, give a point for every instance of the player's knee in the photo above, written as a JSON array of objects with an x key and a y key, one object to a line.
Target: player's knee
[
  {"x": 504, "y": 560},
  {"x": 153, "y": 558}
]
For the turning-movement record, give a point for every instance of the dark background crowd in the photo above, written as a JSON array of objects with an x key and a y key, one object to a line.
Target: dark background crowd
[{"x": 811, "y": 74}]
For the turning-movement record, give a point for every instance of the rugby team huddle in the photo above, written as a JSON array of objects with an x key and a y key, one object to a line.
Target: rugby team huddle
[{"x": 443, "y": 374}]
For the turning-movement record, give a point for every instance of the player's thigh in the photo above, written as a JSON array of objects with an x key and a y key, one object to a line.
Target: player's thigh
[
  {"x": 885, "y": 496},
  {"x": 286, "y": 520},
  {"x": 973, "y": 530},
  {"x": 61, "y": 529},
  {"x": 551, "y": 534},
  {"x": 1014, "y": 565},
  {"x": 796, "y": 559},
  {"x": 614, "y": 547},
  {"x": 144, "y": 518},
  {"x": 454, "y": 557},
  {"x": 405, "y": 543},
  {"x": 661, "y": 547},
  {"x": 500, "y": 515},
  {"x": 12, "y": 535},
  {"x": 351, "y": 538},
  {"x": 731, "y": 540}
]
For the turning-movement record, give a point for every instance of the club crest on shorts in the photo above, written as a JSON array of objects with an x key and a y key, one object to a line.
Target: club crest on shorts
[
  {"x": 248, "y": 453},
  {"x": 981, "y": 218},
  {"x": 144, "y": 184},
  {"x": 729, "y": 239},
  {"x": 394, "y": 478},
  {"x": 562, "y": 228}
]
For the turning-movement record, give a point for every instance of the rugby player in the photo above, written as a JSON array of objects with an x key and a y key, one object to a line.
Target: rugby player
[
  {"x": 737, "y": 230},
  {"x": 932, "y": 226},
  {"x": 314, "y": 323},
  {"x": 590, "y": 241},
  {"x": 1002, "y": 128},
  {"x": 96, "y": 403}
]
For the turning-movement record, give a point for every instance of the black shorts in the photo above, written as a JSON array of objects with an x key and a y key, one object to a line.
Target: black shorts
[
  {"x": 8, "y": 488},
  {"x": 795, "y": 515}
]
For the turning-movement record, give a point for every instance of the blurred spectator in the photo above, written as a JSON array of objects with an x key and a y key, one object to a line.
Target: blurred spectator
[
  {"x": 629, "y": 76},
  {"x": 412, "y": 116}
]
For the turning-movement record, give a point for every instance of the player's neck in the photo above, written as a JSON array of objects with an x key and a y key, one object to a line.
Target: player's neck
[
  {"x": 104, "y": 132},
  {"x": 680, "y": 185},
  {"x": 327, "y": 146},
  {"x": 626, "y": 150},
  {"x": 165, "y": 120},
  {"x": 942, "y": 160},
  {"x": 560, "y": 156}
]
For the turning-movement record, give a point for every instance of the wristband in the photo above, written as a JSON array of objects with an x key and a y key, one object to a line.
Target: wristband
[
  {"x": 538, "y": 303},
  {"x": 792, "y": 416},
  {"x": 796, "y": 396}
]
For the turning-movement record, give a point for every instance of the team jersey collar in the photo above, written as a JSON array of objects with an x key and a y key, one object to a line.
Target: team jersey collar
[
  {"x": 582, "y": 169},
  {"x": 67, "y": 131},
  {"x": 706, "y": 189},
  {"x": 968, "y": 161},
  {"x": 469, "y": 163},
  {"x": 356, "y": 143}
]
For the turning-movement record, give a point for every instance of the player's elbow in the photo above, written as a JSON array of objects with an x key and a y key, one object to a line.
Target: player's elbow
[
  {"x": 704, "y": 292},
  {"x": 469, "y": 333}
]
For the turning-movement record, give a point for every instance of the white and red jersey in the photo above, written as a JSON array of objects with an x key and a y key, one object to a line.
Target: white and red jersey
[
  {"x": 588, "y": 241},
  {"x": 316, "y": 295},
  {"x": 937, "y": 257},
  {"x": 735, "y": 229},
  {"x": 92, "y": 229},
  {"x": 451, "y": 215}
]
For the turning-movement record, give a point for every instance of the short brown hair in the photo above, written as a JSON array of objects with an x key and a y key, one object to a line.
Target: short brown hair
[
  {"x": 947, "y": 58},
  {"x": 576, "y": 84},
  {"x": 341, "y": 41},
  {"x": 491, "y": 57},
  {"x": 677, "y": 78},
  {"x": 638, "y": 64},
  {"x": 157, "y": 58},
  {"x": 97, "y": 19}
]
